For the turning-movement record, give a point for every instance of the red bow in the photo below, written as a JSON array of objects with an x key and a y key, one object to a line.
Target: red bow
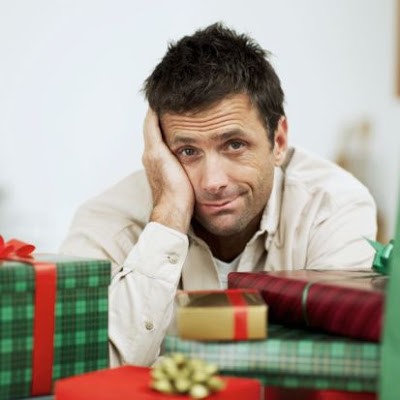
[{"x": 15, "y": 248}]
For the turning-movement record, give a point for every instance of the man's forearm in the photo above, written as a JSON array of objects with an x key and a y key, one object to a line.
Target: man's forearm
[{"x": 142, "y": 295}]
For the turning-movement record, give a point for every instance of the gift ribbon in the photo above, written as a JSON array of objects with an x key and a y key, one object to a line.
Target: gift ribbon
[
  {"x": 240, "y": 308},
  {"x": 382, "y": 256},
  {"x": 44, "y": 306},
  {"x": 15, "y": 248},
  {"x": 43, "y": 327}
]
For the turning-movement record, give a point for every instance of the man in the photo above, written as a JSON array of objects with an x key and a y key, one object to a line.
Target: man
[{"x": 221, "y": 192}]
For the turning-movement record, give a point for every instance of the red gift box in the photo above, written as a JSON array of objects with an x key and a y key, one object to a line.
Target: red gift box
[
  {"x": 131, "y": 382},
  {"x": 276, "y": 393},
  {"x": 348, "y": 303}
]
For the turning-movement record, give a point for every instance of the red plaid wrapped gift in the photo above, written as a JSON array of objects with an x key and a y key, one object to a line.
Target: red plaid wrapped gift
[{"x": 348, "y": 303}]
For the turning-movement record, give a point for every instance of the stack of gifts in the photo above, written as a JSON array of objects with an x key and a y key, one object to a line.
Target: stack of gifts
[
  {"x": 324, "y": 334},
  {"x": 53, "y": 319},
  {"x": 54, "y": 337},
  {"x": 207, "y": 315},
  {"x": 324, "y": 331}
]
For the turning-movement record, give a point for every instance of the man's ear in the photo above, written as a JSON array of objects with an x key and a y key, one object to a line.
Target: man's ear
[{"x": 280, "y": 141}]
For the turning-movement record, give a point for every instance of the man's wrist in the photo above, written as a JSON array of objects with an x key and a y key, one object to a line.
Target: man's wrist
[{"x": 172, "y": 217}]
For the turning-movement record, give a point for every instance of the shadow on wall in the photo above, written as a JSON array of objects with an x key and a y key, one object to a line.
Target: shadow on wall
[
  {"x": 355, "y": 155},
  {"x": 2, "y": 206}
]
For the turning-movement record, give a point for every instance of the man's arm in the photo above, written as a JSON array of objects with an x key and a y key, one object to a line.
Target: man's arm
[
  {"x": 173, "y": 197},
  {"x": 142, "y": 294},
  {"x": 144, "y": 284}
]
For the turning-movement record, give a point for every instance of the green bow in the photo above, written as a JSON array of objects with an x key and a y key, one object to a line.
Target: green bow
[{"x": 382, "y": 256}]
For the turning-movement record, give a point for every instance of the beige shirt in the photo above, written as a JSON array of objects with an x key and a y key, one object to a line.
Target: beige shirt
[{"x": 317, "y": 217}]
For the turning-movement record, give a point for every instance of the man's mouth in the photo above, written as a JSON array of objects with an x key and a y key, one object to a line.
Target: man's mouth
[{"x": 219, "y": 205}]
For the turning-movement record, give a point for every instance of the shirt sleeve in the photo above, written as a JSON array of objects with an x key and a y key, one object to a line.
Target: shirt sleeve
[
  {"x": 339, "y": 240},
  {"x": 141, "y": 295},
  {"x": 146, "y": 273}
]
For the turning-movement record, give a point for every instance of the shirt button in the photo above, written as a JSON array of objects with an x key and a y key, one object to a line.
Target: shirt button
[
  {"x": 173, "y": 259},
  {"x": 149, "y": 325}
]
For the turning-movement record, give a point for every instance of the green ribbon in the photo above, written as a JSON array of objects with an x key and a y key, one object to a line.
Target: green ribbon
[{"x": 380, "y": 263}]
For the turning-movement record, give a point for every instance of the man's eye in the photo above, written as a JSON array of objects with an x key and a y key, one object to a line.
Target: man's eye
[
  {"x": 187, "y": 152},
  {"x": 235, "y": 145}
]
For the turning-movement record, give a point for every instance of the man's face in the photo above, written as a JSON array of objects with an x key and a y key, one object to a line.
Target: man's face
[{"x": 229, "y": 160}]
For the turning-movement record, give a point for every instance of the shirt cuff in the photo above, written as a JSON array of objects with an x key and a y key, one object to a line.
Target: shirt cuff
[{"x": 159, "y": 253}]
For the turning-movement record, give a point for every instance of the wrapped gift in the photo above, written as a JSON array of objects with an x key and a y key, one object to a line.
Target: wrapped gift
[
  {"x": 292, "y": 358},
  {"x": 53, "y": 321},
  {"x": 221, "y": 315},
  {"x": 131, "y": 382},
  {"x": 276, "y": 393},
  {"x": 348, "y": 303},
  {"x": 390, "y": 382}
]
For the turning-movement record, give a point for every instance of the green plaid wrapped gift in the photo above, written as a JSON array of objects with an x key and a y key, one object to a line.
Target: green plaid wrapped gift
[
  {"x": 81, "y": 318},
  {"x": 292, "y": 358}
]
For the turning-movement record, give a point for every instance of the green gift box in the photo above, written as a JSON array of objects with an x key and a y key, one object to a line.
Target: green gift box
[
  {"x": 292, "y": 358},
  {"x": 73, "y": 322}
]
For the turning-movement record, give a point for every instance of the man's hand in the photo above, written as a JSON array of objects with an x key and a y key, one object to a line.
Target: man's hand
[{"x": 173, "y": 196}]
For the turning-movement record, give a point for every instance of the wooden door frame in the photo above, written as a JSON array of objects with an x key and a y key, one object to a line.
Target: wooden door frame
[{"x": 398, "y": 50}]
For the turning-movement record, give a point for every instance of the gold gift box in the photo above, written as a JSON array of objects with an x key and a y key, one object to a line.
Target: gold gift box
[{"x": 233, "y": 314}]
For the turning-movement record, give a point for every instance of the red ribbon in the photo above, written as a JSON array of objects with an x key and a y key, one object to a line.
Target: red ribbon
[
  {"x": 43, "y": 328},
  {"x": 240, "y": 309},
  {"x": 44, "y": 319},
  {"x": 15, "y": 248}
]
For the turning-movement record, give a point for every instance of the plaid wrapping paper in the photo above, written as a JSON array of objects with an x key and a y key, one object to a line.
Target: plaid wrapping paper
[
  {"x": 292, "y": 358},
  {"x": 348, "y": 303},
  {"x": 81, "y": 318}
]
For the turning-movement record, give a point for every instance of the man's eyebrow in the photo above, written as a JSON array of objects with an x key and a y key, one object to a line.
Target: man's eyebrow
[
  {"x": 228, "y": 135},
  {"x": 183, "y": 139}
]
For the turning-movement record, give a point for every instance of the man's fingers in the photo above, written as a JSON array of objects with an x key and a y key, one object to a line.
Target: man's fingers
[{"x": 151, "y": 129}]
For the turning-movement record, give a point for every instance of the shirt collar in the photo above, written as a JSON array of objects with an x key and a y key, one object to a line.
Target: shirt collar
[{"x": 270, "y": 218}]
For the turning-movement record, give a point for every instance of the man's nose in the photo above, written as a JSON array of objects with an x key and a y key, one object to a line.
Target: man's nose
[{"x": 214, "y": 176}]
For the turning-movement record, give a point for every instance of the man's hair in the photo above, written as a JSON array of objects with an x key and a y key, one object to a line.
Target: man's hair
[{"x": 210, "y": 65}]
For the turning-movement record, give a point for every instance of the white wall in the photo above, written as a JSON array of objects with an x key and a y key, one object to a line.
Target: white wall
[{"x": 71, "y": 112}]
